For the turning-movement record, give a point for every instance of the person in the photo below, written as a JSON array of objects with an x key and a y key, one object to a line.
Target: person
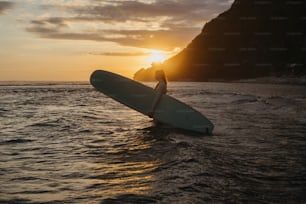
[{"x": 160, "y": 90}]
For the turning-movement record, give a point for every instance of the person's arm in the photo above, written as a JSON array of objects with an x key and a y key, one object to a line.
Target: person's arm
[
  {"x": 158, "y": 95},
  {"x": 156, "y": 100}
]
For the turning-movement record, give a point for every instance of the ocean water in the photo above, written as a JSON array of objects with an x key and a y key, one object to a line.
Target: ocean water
[{"x": 67, "y": 143}]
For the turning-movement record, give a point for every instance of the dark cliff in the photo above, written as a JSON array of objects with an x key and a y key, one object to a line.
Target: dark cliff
[{"x": 251, "y": 39}]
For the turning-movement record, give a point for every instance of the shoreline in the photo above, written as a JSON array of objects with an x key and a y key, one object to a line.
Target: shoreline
[
  {"x": 275, "y": 80},
  {"x": 261, "y": 80}
]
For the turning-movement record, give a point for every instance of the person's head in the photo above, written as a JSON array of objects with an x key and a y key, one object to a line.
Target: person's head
[{"x": 160, "y": 76}]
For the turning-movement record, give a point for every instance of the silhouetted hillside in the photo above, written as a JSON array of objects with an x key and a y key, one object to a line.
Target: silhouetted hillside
[{"x": 251, "y": 39}]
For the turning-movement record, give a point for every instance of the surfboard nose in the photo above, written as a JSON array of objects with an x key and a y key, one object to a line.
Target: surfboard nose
[{"x": 94, "y": 77}]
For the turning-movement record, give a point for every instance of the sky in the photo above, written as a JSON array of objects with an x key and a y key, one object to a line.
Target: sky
[{"x": 66, "y": 40}]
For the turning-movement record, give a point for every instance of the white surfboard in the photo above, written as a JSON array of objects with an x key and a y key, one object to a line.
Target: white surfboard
[{"x": 140, "y": 97}]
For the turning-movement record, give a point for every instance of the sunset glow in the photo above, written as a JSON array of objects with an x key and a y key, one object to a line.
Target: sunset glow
[
  {"x": 157, "y": 56},
  {"x": 58, "y": 40}
]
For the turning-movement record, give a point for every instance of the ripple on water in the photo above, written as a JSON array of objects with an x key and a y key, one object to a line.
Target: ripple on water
[{"x": 71, "y": 144}]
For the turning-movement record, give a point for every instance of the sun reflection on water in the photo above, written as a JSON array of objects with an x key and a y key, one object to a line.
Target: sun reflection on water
[{"x": 120, "y": 178}]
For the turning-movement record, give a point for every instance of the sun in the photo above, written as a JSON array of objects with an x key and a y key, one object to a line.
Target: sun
[{"x": 157, "y": 56}]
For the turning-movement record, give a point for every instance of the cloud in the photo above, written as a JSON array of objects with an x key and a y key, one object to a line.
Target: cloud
[
  {"x": 121, "y": 54},
  {"x": 159, "y": 24},
  {"x": 4, "y": 6}
]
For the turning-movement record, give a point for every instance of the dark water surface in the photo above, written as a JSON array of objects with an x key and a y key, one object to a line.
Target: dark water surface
[{"x": 66, "y": 143}]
